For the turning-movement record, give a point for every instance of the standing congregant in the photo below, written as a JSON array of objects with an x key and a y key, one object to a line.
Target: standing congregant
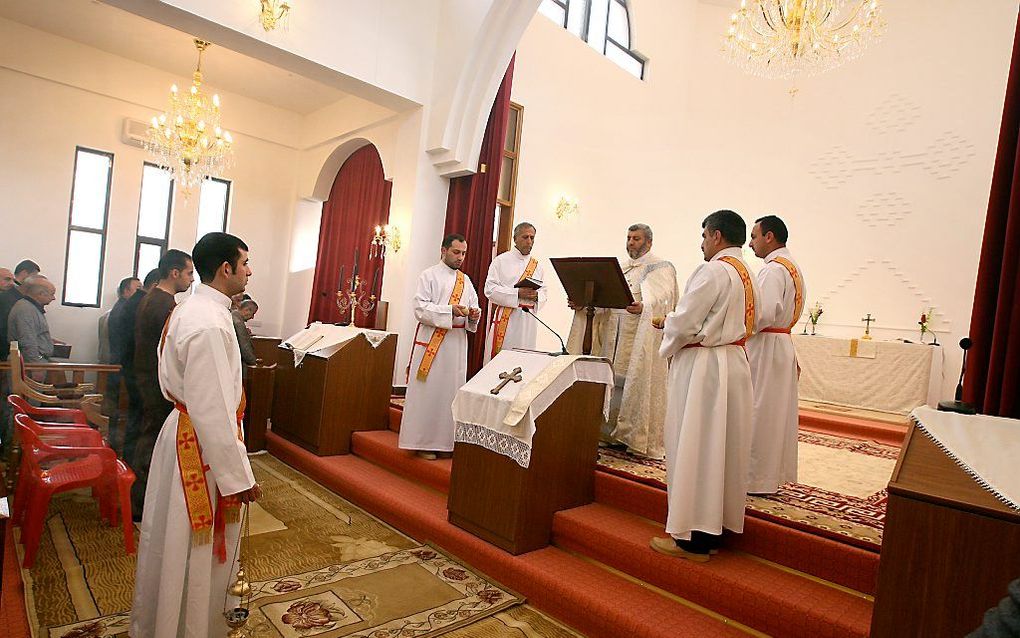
[
  {"x": 508, "y": 327},
  {"x": 626, "y": 338},
  {"x": 186, "y": 555},
  {"x": 445, "y": 305},
  {"x": 774, "y": 361},
  {"x": 708, "y": 416},
  {"x": 176, "y": 273}
]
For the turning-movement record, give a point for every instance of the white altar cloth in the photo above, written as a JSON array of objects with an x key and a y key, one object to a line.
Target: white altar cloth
[
  {"x": 319, "y": 336},
  {"x": 986, "y": 447},
  {"x": 505, "y": 423},
  {"x": 888, "y": 376}
]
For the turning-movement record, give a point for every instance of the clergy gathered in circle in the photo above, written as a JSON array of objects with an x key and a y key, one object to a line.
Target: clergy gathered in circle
[{"x": 705, "y": 379}]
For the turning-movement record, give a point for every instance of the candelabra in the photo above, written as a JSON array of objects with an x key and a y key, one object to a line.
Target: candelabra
[
  {"x": 385, "y": 237},
  {"x": 354, "y": 299}
]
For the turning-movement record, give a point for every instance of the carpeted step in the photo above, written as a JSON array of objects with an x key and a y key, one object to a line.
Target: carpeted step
[
  {"x": 574, "y": 591},
  {"x": 380, "y": 447},
  {"x": 396, "y": 413},
  {"x": 824, "y": 558},
  {"x": 738, "y": 586},
  {"x": 852, "y": 427}
]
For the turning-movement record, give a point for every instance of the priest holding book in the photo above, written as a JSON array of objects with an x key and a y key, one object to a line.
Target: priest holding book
[{"x": 509, "y": 287}]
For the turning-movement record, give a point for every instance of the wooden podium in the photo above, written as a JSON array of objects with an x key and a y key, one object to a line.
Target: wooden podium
[
  {"x": 512, "y": 507},
  {"x": 949, "y": 550},
  {"x": 336, "y": 391}
]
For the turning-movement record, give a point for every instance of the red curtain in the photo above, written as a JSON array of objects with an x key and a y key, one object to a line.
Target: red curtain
[
  {"x": 471, "y": 209},
  {"x": 358, "y": 202},
  {"x": 993, "y": 367}
]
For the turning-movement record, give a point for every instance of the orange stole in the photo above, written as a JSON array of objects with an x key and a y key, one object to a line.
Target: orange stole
[
  {"x": 503, "y": 313},
  {"x": 745, "y": 278},
  {"x": 432, "y": 349},
  {"x": 798, "y": 287}
]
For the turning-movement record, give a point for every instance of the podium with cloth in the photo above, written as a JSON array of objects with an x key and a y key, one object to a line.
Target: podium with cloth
[
  {"x": 952, "y": 529},
  {"x": 526, "y": 443},
  {"x": 331, "y": 381}
]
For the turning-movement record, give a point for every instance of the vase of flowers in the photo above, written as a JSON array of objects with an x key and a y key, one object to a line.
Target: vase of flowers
[
  {"x": 814, "y": 313},
  {"x": 925, "y": 324}
]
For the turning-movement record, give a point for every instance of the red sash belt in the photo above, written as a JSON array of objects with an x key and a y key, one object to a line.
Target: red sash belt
[
  {"x": 778, "y": 331},
  {"x": 739, "y": 342}
]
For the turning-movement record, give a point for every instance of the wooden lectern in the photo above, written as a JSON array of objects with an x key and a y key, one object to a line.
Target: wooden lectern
[
  {"x": 336, "y": 391},
  {"x": 949, "y": 549},
  {"x": 593, "y": 282},
  {"x": 512, "y": 507}
]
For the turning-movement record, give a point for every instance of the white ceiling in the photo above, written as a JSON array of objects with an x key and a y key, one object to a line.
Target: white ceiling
[{"x": 135, "y": 38}]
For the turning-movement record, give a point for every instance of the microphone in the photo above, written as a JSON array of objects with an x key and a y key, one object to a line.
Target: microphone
[
  {"x": 563, "y": 346},
  {"x": 959, "y": 405}
]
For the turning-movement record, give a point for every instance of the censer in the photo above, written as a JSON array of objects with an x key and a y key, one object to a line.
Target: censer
[{"x": 237, "y": 617}]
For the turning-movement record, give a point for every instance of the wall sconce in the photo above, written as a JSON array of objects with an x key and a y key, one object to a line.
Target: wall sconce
[
  {"x": 387, "y": 236},
  {"x": 273, "y": 13},
  {"x": 567, "y": 207}
]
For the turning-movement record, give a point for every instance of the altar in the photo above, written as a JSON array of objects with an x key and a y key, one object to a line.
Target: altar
[{"x": 887, "y": 376}]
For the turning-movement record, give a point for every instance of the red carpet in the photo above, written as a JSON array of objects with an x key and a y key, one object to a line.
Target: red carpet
[{"x": 13, "y": 617}]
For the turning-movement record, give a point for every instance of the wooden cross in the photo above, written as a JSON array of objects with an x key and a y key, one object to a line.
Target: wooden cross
[
  {"x": 514, "y": 375},
  {"x": 867, "y": 324}
]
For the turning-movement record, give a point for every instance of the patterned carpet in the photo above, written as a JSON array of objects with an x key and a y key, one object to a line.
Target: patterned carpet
[
  {"x": 848, "y": 505},
  {"x": 354, "y": 576}
]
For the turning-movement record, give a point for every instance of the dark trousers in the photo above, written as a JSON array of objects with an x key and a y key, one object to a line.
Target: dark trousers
[
  {"x": 155, "y": 410},
  {"x": 133, "y": 418},
  {"x": 701, "y": 542}
]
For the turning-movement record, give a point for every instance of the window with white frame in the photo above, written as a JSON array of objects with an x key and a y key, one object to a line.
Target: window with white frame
[
  {"x": 154, "y": 206},
  {"x": 86, "y": 228},
  {"x": 603, "y": 24},
  {"x": 213, "y": 205}
]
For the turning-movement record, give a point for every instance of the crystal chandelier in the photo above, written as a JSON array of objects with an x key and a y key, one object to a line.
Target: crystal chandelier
[
  {"x": 786, "y": 38},
  {"x": 273, "y": 12},
  {"x": 187, "y": 139}
]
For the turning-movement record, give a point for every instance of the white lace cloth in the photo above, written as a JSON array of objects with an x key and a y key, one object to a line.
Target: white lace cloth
[
  {"x": 323, "y": 335},
  {"x": 505, "y": 423},
  {"x": 986, "y": 447}
]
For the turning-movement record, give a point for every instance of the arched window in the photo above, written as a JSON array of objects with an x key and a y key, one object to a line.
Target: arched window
[{"x": 603, "y": 24}]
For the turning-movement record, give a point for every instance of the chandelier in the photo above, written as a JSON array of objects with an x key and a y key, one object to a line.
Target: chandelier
[
  {"x": 786, "y": 38},
  {"x": 273, "y": 12},
  {"x": 187, "y": 139}
]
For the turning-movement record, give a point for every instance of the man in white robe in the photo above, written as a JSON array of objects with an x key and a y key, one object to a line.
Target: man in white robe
[
  {"x": 508, "y": 326},
  {"x": 774, "y": 361},
  {"x": 184, "y": 565},
  {"x": 446, "y": 306},
  {"x": 626, "y": 337},
  {"x": 708, "y": 416}
]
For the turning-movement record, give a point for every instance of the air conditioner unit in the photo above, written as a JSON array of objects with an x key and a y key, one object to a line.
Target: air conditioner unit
[{"x": 134, "y": 133}]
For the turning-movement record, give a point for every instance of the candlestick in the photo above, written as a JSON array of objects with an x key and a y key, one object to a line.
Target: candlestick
[
  {"x": 355, "y": 271},
  {"x": 375, "y": 283},
  {"x": 340, "y": 282}
]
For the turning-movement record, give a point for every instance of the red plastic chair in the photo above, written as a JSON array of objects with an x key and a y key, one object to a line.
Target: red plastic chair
[
  {"x": 73, "y": 416},
  {"x": 86, "y": 466}
]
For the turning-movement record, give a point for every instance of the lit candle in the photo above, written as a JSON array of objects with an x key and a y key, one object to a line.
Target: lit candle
[
  {"x": 375, "y": 283},
  {"x": 340, "y": 282}
]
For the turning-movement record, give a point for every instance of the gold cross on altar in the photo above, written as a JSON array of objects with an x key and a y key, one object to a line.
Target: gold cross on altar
[
  {"x": 514, "y": 375},
  {"x": 867, "y": 326}
]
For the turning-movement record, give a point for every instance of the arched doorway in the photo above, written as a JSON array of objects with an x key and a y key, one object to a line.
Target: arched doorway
[{"x": 358, "y": 202}]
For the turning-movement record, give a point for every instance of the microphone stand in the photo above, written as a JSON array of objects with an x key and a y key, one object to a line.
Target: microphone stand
[
  {"x": 959, "y": 405},
  {"x": 563, "y": 346}
]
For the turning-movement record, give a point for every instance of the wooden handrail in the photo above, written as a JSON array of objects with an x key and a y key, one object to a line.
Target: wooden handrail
[{"x": 68, "y": 366}]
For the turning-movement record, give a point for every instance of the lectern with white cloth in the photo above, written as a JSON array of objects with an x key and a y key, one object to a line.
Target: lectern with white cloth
[
  {"x": 332, "y": 381},
  {"x": 526, "y": 444}
]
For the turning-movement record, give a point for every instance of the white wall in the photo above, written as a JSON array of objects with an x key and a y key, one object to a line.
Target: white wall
[
  {"x": 56, "y": 94},
  {"x": 881, "y": 168}
]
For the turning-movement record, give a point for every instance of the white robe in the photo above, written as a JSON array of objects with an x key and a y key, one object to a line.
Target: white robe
[
  {"x": 630, "y": 342},
  {"x": 708, "y": 416},
  {"x": 774, "y": 377},
  {"x": 180, "y": 587},
  {"x": 427, "y": 423},
  {"x": 505, "y": 271}
]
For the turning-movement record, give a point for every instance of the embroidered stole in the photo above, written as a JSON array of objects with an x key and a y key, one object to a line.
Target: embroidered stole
[
  {"x": 745, "y": 278},
  {"x": 432, "y": 349},
  {"x": 501, "y": 314},
  {"x": 798, "y": 286}
]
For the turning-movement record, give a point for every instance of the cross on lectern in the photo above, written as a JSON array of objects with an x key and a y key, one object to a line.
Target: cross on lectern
[
  {"x": 867, "y": 325},
  {"x": 514, "y": 375}
]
